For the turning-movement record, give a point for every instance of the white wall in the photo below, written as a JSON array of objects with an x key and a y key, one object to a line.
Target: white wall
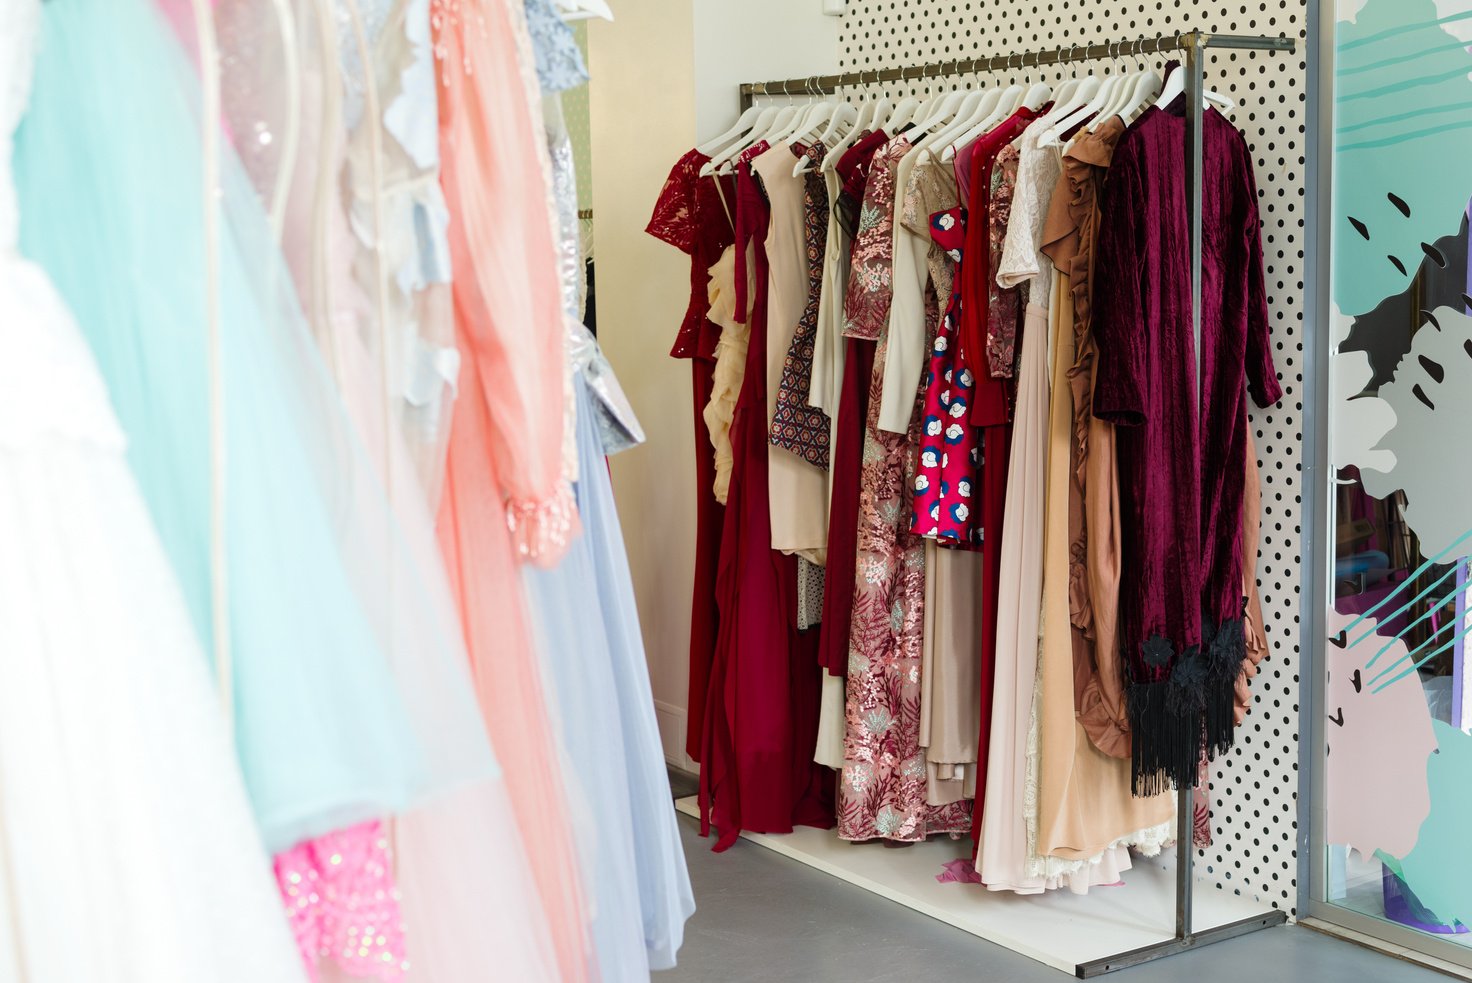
[
  {"x": 665, "y": 73},
  {"x": 755, "y": 41}
]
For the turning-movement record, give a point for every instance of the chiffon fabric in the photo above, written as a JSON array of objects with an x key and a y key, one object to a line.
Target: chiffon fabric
[
  {"x": 505, "y": 497},
  {"x": 349, "y": 699},
  {"x": 375, "y": 262},
  {"x": 638, "y": 883},
  {"x": 128, "y": 851}
]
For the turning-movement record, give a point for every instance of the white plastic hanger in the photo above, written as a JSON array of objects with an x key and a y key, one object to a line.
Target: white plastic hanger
[
  {"x": 840, "y": 117},
  {"x": 942, "y": 111},
  {"x": 584, "y": 9},
  {"x": 819, "y": 116},
  {"x": 879, "y": 110},
  {"x": 1005, "y": 106},
  {"x": 1145, "y": 85},
  {"x": 1104, "y": 93},
  {"x": 904, "y": 112},
  {"x": 849, "y": 138},
  {"x": 1175, "y": 85},
  {"x": 779, "y": 120},
  {"x": 971, "y": 109},
  {"x": 1011, "y": 98},
  {"x": 1036, "y": 97},
  {"x": 972, "y": 114},
  {"x": 742, "y": 125},
  {"x": 1118, "y": 97},
  {"x": 765, "y": 123}
]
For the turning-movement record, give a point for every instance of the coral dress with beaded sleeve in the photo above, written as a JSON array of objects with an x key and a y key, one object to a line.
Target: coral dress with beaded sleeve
[{"x": 505, "y": 498}]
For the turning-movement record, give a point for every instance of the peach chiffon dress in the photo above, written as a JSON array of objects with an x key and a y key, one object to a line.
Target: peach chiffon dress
[{"x": 505, "y": 498}]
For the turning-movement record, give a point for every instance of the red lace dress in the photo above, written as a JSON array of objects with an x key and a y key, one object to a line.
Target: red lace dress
[{"x": 692, "y": 216}]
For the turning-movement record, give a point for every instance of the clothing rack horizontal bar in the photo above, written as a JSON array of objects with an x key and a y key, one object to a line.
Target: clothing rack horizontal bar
[{"x": 829, "y": 84}]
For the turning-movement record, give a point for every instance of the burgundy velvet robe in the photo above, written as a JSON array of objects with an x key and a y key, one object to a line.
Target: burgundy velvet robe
[{"x": 1181, "y": 478}]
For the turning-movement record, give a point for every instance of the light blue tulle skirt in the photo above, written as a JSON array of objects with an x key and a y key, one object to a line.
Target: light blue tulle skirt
[
  {"x": 588, "y": 630},
  {"x": 347, "y": 705}
]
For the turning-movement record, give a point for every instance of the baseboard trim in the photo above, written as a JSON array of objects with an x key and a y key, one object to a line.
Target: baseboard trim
[{"x": 673, "y": 722}]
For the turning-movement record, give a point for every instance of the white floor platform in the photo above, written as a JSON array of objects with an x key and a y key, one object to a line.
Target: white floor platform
[{"x": 1059, "y": 929}]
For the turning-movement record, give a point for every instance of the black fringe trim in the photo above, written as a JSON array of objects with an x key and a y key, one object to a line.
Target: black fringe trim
[{"x": 1173, "y": 720}]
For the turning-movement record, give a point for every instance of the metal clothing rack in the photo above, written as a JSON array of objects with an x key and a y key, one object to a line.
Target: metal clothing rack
[{"x": 1193, "y": 46}]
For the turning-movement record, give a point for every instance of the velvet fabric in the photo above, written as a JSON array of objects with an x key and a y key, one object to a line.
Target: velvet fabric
[{"x": 1181, "y": 606}]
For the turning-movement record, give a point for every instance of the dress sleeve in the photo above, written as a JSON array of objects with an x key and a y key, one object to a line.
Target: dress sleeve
[
  {"x": 508, "y": 299},
  {"x": 673, "y": 220},
  {"x": 1119, "y": 318},
  {"x": 904, "y": 359},
  {"x": 1262, "y": 374},
  {"x": 1020, "y": 263}
]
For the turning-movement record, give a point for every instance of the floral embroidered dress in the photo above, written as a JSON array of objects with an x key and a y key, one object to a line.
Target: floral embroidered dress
[{"x": 883, "y": 791}]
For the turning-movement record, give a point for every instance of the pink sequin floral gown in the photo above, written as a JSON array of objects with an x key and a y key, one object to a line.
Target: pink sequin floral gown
[{"x": 882, "y": 794}]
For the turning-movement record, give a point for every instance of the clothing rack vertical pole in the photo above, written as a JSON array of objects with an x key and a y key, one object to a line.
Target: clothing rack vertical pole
[
  {"x": 1195, "y": 141},
  {"x": 1193, "y": 46}
]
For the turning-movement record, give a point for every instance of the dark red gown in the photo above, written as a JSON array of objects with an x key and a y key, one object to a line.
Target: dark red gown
[
  {"x": 848, "y": 449},
  {"x": 761, "y": 722}
]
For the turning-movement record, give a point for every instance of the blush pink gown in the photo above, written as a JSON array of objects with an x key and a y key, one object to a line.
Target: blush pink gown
[{"x": 505, "y": 499}]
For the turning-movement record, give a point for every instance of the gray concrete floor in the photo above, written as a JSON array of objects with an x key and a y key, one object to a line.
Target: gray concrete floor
[{"x": 763, "y": 918}]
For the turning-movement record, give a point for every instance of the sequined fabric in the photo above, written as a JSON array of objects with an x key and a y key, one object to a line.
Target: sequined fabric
[
  {"x": 343, "y": 905},
  {"x": 796, "y": 426}
]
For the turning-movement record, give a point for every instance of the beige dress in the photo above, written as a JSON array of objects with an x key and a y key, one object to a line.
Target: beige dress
[
  {"x": 798, "y": 490},
  {"x": 950, "y": 673}
]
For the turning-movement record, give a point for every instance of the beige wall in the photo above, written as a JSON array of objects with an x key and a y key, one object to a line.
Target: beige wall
[{"x": 663, "y": 72}]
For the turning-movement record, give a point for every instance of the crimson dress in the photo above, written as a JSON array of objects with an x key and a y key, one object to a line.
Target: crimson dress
[
  {"x": 1181, "y": 479},
  {"x": 761, "y": 721},
  {"x": 848, "y": 448},
  {"x": 691, "y": 216},
  {"x": 990, "y": 411}
]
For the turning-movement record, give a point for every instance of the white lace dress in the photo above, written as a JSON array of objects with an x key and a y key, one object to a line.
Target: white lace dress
[{"x": 127, "y": 848}]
